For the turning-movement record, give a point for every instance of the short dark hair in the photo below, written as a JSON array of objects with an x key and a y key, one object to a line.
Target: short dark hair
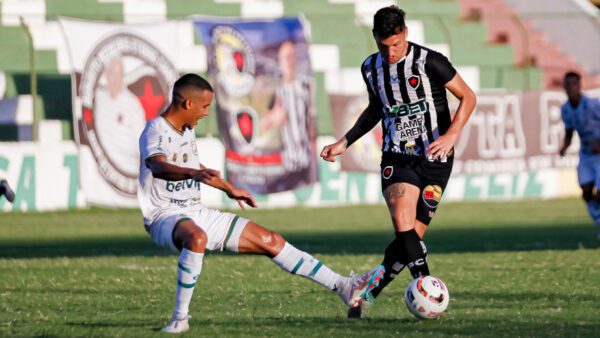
[
  {"x": 189, "y": 81},
  {"x": 388, "y": 21},
  {"x": 572, "y": 74}
]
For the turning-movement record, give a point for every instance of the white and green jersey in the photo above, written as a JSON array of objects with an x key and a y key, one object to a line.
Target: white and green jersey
[{"x": 159, "y": 197}]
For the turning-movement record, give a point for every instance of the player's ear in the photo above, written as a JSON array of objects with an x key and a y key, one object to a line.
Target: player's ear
[{"x": 187, "y": 104}]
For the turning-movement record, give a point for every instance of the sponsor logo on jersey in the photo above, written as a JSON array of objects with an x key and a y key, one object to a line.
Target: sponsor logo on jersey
[
  {"x": 413, "y": 81},
  {"x": 182, "y": 185},
  {"x": 108, "y": 63},
  {"x": 432, "y": 194},
  {"x": 409, "y": 109},
  {"x": 387, "y": 172},
  {"x": 412, "y": 149},
  {"x": 185, "y": 157}
]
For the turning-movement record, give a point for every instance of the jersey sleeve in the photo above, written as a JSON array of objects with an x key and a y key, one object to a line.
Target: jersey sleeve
[
  {"x": 151, "y": 143},
  {"x": 363, "y": 71},
  {"x": 566, "y": 117},
  {"x": 439, "y": 68}
]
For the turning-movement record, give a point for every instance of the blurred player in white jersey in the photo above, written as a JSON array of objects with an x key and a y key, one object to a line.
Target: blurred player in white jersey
[
  {"x": 169, "y": 196},
  {"x": 119, "y": 118},
  {"x": 582, "y": 114}
]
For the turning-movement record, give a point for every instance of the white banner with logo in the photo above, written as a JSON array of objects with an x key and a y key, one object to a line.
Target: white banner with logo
[{"x": 121, "y": 78}]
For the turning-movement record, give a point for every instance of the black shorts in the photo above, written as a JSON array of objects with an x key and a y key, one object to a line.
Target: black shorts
[{"x": 430, "y": 177}]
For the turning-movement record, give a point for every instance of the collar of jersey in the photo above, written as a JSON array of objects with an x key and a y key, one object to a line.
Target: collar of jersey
[{"x": 172, "y": 127}]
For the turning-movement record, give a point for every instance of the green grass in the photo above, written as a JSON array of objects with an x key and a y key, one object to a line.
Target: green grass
[{"x": 513, "y": 269}]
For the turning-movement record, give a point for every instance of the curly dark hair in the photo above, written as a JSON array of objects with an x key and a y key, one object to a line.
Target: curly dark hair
[{"x": 388, "y": 21}]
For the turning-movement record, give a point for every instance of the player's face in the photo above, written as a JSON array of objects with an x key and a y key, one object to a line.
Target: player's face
[
  {"x": 200, "y": 103},
  {"x": 287, "y": 61},
  {"x": 572, "y": 87},
  {"x": 394, "y": 47}
]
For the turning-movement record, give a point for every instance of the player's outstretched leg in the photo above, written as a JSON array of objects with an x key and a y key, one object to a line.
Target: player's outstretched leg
[
  {"x": 191, "y": 241},
  {"x": 256, "y": 239},
  {"x": 6, "y": 191},
  {"x": 591, "y": 196}
]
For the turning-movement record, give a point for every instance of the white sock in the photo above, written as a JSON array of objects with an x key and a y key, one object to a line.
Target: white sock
[
  {"x": 188, "y": 271},
  {"x": 301, "y": 263}
]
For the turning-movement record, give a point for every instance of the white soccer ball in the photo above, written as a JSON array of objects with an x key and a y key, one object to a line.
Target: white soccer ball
[{"x": 427, "y": 297}]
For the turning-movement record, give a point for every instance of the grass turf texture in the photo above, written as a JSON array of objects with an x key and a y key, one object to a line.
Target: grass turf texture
[{"x": 513, "y": 269}]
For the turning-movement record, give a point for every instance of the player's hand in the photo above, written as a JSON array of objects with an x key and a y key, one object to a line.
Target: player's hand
[
  {"x": 205, "y": 175},
  {"x": 440, "y": 148},
  {"x": 562, "y": 151},
  {"x": 242, "y": 196},
  {"x": 329, "y": 152}
]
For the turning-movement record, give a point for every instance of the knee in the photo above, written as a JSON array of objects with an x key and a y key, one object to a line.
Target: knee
[
  {"x": 278, "y": 242},
  {"x": 196, "y": 241},
  {"x": 403, "y": 220},
  {"x": 588, "y": 193},
  {"x": 272, "y": 243}
]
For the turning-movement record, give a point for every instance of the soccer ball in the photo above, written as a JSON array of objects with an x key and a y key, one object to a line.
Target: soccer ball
[{"x": 427, "y": 297}]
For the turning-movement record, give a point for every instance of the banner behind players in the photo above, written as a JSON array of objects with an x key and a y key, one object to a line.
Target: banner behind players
[
  {"x": 121, "y": 78},
  {"x": 264, "y": 90}
]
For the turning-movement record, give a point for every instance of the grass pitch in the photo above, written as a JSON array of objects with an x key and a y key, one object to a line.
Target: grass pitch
[{"x": 513, "y": 269}]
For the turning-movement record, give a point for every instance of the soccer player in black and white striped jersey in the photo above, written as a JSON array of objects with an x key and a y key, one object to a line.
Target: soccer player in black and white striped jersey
[{"x": 407, "y": 92}]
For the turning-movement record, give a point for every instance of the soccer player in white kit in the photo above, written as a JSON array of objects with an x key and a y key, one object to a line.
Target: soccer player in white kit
[
  {"x": 169, "y": 196},
  {"x": 582, "y": 114}
]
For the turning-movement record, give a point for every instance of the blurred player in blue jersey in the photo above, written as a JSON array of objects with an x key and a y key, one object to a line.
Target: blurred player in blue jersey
[
  {"x": 582, "y": 114},
  {"x": 407, "y": 86}
]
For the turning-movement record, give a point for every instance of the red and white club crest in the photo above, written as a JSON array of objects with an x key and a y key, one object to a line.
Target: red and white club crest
[
  {"x": 413, "y": 81},
  {"x": 387, "y": 172},
  {"x": 246, "y": 125}
]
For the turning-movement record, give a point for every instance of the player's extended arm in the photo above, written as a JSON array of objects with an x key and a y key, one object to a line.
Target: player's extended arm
[
  {"x": 566, "y": 141},
  {"x": 365, "y": 122},
  {"x": 457, "y": 86},
  {"x": 240, "y": 195},
  {"x": 162, "y": 169}
]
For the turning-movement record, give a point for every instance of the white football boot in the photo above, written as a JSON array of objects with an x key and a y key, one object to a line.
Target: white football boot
[
  {"x": 362, "y": 298},
  {"x": 177, "y": 325},
  {"x": 353, "y": 287}
]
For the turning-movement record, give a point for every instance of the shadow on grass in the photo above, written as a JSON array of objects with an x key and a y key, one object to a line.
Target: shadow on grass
[
  {"x": 489, "y": 327},
  {"x": 565, "y": 237}
]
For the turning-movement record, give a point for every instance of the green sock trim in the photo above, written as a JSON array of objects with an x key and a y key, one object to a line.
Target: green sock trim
[
  {"x": 182, "y": 220},
  {"x": 298, "y": 265},
  {"x": 184, "y": 268},
  {"x": 314, "y": 271},
  {"x": 235, "y": 219},
  {"x": 187, "y": 286}
]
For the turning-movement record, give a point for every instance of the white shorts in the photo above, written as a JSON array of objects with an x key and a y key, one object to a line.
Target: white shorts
[
  {"x": 588, "y": 169},
  {"x": 223, "y": 229}
]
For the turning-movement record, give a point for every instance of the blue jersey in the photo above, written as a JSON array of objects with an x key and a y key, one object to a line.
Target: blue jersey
[{"x": 585, "y": 119}]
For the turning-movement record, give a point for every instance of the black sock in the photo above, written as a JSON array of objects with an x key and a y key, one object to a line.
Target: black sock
[
  {"x": 393, "y": 263},
  {"x": 416, "y": 253}
]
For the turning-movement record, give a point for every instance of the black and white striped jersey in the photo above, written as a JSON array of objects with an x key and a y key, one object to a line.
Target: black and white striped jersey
[
  {"x": 411, "y": 98},
  {"x": 295, "y": 133}
]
